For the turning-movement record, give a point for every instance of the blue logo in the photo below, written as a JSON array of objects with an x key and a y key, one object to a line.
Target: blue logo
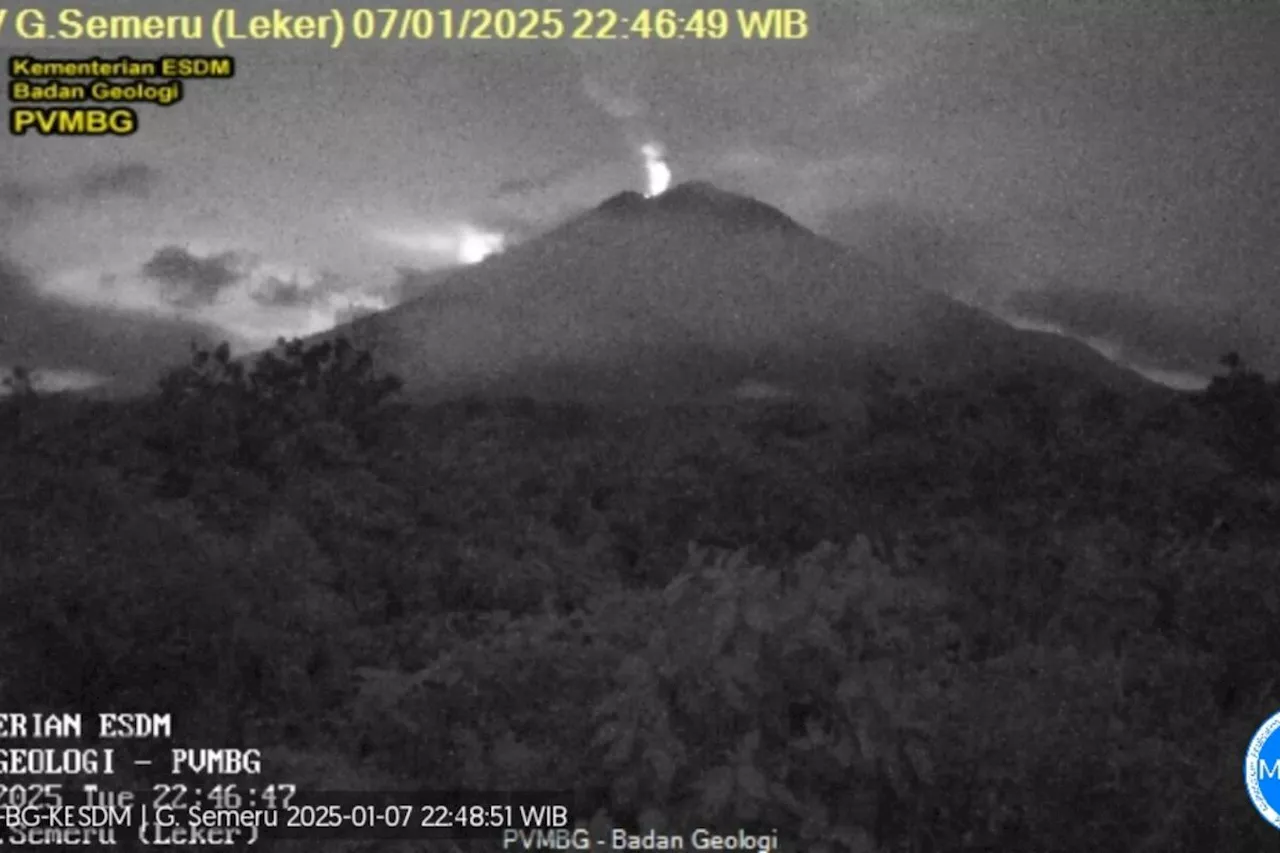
[{"x": 1262, "y": 771}]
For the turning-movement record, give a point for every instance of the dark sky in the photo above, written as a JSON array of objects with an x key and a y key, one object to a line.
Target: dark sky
[{"x": 1110, "y": 170}]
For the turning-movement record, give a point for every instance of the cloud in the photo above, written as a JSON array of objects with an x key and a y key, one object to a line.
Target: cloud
[
  {"x": 940, "y": 250},
  {"x": 17, "y": 205},
  {"x": 856, "y": 83},
  {"x": 526, "y": 185},
  {"x": 48, "y": 381},
  {"x": 520, "y": 207},
  {"x": 297, "y": 290},
  {"x": 68, "y": 345},
  {"x": 810, "y": 189},
  {"x": 1025, "y": 276},
  {"x": 12, "y": 281},
  {"x": 248, "y": 300},
  {"x": 129, "y": 180},
  {"x": 545, "y": 204},
  {"x": 352, "y": 313},
  {"x": 1148, "y": 331},
  {"x": 613, "y": 99},
  {"x": 134, "y": 179},
  {"x": 413, "y": 283},
  {"x": 408, "y": 285},
  {"x": 451, "y": 244},
  {"x": 613, "y": 77},
  {"x": 190, "y": 280},
  {"x": 17, "y": 197},
  {"x": 522, "y": 186},
  {"x": 278, "y": 292}
]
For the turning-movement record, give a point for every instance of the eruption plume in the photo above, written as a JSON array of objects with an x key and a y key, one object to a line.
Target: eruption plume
[
  {"x": 656, "y": 169},
  {"x": 612, "y": 86}
]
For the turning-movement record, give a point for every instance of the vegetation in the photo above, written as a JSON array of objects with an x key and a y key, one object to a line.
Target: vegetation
[
  {"x": 1014, "y": 618},
  {"x": 18, "y": 383}
]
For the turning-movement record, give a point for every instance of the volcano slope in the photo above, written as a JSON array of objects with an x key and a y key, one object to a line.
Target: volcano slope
[{"x": 688, "y": 296}]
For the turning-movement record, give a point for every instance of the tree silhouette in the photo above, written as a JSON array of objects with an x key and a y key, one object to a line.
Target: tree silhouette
[
  {"x": 1245, "y": 411},
  {"x": 20, "y": 383},
  {"x": 302, "y": 406}
]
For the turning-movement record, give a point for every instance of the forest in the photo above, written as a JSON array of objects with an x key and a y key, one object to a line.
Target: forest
[{"x": 999, "y": 617}]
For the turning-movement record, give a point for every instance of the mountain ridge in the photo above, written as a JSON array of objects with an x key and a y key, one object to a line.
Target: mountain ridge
[{"x": 683, "y": 295}]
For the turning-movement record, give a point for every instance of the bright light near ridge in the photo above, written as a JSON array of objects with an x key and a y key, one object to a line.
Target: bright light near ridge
[
  {"x": 460, "y": 244},
  {"x": 475, "y": 246},
  {"x": 656, "y": 169}
]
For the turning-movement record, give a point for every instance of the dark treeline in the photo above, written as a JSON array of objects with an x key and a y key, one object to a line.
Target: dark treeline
[{"x": 1022, "y": 616}]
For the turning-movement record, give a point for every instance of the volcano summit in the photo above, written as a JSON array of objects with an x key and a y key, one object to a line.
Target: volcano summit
[{"x": 687, "y": 295}]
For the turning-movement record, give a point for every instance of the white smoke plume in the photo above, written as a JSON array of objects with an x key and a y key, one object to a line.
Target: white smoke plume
[
  {"x": 619, "y": 104},
  {"x": 656, "y": 169},
  {"x": 611, "y": 77},
  {"x": 610, "y": 82}
]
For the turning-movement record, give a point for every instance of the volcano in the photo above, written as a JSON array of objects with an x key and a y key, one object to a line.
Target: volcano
[{"x": 692, "y": 294}]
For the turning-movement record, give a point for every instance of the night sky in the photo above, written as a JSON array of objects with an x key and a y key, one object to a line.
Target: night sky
[{"x": 1107, "y": 168}]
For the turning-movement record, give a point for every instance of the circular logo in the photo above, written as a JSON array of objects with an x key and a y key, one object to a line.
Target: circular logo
[{"x": 1262, "y": 770}]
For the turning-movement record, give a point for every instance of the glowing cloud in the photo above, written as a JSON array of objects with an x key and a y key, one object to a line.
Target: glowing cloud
[
  {"x": 474, "y": 246},
  {"x": 656, "y": 169},
  {"x": 47, "y": 381},
  {"x": 461, "y": 244}
]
